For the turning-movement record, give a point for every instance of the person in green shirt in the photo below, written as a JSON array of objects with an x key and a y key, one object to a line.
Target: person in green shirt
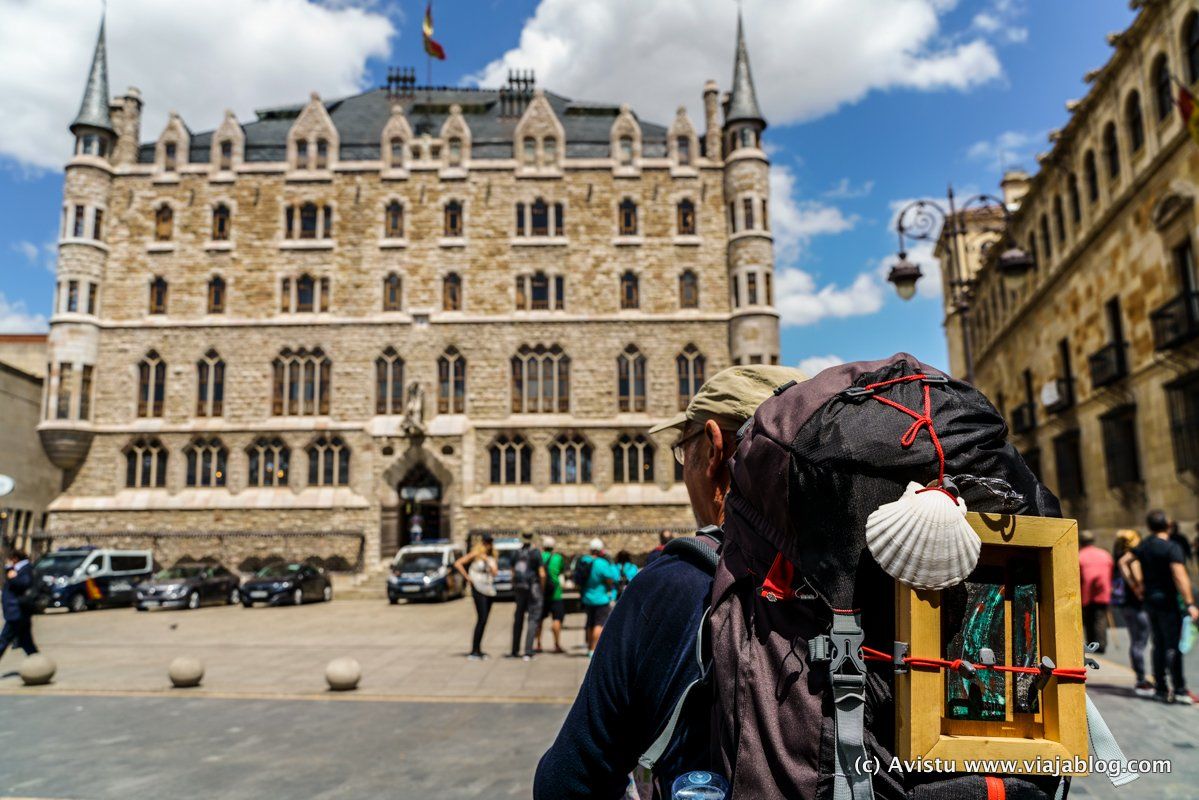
[{"x": 553, "y": 606}]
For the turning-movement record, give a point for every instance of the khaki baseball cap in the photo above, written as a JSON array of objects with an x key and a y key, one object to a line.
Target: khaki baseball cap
[{"x": 732, "y": 395}]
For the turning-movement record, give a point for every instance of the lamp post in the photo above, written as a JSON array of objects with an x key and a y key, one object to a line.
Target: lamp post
[{"x": 927, "y": 220}]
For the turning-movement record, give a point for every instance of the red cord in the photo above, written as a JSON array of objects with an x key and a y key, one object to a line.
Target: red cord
[
  {"x": 922, "y": 420},
  {"x": 870, "y": 654}
]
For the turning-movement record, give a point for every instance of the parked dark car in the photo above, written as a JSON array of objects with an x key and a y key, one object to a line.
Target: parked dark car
[
  {"x": 425, "y": 570},
  {"x": 189, "y": 586},
  {"x": 286, "y": 584}
]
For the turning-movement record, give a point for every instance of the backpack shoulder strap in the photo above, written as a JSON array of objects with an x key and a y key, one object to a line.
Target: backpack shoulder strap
[{"x": 702, "y": 549}]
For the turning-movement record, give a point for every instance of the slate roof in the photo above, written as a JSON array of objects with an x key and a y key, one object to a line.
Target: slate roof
[
  {"x": 93, "y": 109},
  {"x": 360, "y": 119}
]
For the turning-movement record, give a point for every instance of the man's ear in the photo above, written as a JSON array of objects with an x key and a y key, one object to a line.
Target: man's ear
[{"x": 716, "y": 442}]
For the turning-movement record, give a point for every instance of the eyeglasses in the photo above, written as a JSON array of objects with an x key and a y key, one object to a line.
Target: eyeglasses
[{"x": 679, "y": 454}]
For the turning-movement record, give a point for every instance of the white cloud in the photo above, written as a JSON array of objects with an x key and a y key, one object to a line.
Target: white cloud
[
  {"x": 844, "y": 189},
  {"x": 1007, "y": 150},
  {"x": 808, "y": 58},
  {"x": 196, "y": 58},
  {"x": 15, "y": 318},
  {"x": 27, "y": 249},
  {"x": 800, "y": 301},
  {"x": 794, "y": 221},
  {"x": 812, "y": 365}
]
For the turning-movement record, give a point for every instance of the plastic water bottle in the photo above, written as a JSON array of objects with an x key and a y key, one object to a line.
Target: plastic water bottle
[
  {"x": 699, "y": 786},
  {"x": 1186, "y": 639}
]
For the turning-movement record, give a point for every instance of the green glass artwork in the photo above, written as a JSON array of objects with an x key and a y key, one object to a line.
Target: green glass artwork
[{"x": 975, "y": 619}]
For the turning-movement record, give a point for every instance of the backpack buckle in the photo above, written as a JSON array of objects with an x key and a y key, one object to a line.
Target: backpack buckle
[
  {"x": 846, "y": 640},
  {"x": 856, "y": 393},
  {"x": 934, "y": 380},
  {"x": 818, "y": 648}
]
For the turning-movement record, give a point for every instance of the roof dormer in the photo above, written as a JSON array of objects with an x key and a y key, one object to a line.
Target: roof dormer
[
  {"x": 393, "y": 144},
  {"x": 539, "y": 141},
  {"x": 171, "y": 151},
  {"x": 625, "y": 138},
  {"x": 228, "y": 144},
  {"x": 455, "y": 138},
  {"x": 312, "y": 142}
]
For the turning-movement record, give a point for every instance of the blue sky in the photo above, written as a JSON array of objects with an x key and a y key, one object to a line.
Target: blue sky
[{"x": 870, "y": 102}]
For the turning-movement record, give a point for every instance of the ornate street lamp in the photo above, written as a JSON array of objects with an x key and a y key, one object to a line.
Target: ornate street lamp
[{"x": 904, "y": 275}]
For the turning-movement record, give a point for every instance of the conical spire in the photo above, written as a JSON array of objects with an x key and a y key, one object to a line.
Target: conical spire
[
  {"x": 93, "y": 111},
  {"x": 743, "y": 102}
]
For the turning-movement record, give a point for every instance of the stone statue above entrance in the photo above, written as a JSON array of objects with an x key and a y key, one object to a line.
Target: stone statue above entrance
[{"x": 414, "y": 410}]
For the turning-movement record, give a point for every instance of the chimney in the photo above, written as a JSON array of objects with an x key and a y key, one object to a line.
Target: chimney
[{"x": 711, "y": 120}]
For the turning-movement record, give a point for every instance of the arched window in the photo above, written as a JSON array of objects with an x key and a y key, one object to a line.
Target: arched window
[
  {"x": 570, "y": 459},
  {"x": 688, "y": 290},
  {"x": 305, "y": 293},
  {"x": 226, "y": 155},
  {"x": 206, "y": 462},
  {"x": 1059, "y": 219},
  {"x": 559, "y": 219},
  {"x": 627, "y": 218},
  {"x": 539, "y": 218},
  {"x": 683, "y": 149},
  {"x": 529, "y": 150},
  {"x": 216, "y": 295},
  {"x": 1163, "y": 87},
  {"x": 451, "y": 292},
  {"x": 690, "y": 365},
  {"x": 454, "y": 152},
  {"x": 301, "y": 383},
  {"x": 625, "y": 150},
  {"x": 1190, "y": 46},
  {"x": 685, "y": 217},
  {"x": 396, "y": 146},
  {"x": 164, "y": 223},
  {"x": 632, "y": 459},
  {"x": 1046, "y": 242},
  {"x": 268, "y": 462},
  {"x": 389, "y": 383},
  {"x": 540, "y": 380},
  {"x": 451, "y": 382},
  {"x": 65, "y": 382},
  {"x": 1091, "y": 174},
  {"x": 322, "y": 154},
  {"x": 630, "y": 379},
  {"x": 1111, "y": 150},
  {"x": 549, "y": 151},
  {"x": 151, "y": 385},
  {"x": 1075, "y": 200},
  {"x": 328, "y": 462},
  {"x": 1032, "y": 250},
  {"x": 145, "y": 464},
  {"x": 511, "y": 461},
  {"x": 630, "y": 294},
  {"x": 170, "y": 155},
  {"x": 158, "y": 295},
  {"x": 308, "y": 221},
  {"x": 1135, "y": 120},
  {"x": 301, "y": 154},
  {"x": 393, "y": 221},
  {"x": 210, "y": 385},
  {"x": 453, "y": 219},
  {"x": 392, "y": 292},
  {"x": 221, "y": 223}
]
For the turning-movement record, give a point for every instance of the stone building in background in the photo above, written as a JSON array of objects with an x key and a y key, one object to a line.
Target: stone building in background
[
  {"x": 414, "y": 309},
  {"x": 1094, "y": 361}
]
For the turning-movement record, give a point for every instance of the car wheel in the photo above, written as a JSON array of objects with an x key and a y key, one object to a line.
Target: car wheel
[
  {"x": 328, "y": 593},
  {"x": 297, "y": 597},
  {"x": 234, "y": 596},
  {"x": 78, "y": 603},
  {"x": 395, "y": 601},
  {"x": 140, "y": 608},
  {"x": 193, "y": 599},
  {"x": 247, "y": 603}
]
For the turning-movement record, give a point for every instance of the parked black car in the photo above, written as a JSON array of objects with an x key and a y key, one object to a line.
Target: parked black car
[
  {"x": 189, "y": 586},
  {"x": 286, "y": 584}
]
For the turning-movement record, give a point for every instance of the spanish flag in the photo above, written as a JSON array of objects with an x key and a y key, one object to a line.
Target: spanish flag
[
  {"x": 92, "y": 590},
  {"x": 1190, "y": 112},
  {"x": 431, "y": 47}
]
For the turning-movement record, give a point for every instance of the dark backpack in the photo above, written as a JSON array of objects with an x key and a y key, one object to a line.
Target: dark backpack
[
  {"x": 524, "y": 567},
  {"x": 581, "y": 574},
  {"x": 810, "y": 467}
]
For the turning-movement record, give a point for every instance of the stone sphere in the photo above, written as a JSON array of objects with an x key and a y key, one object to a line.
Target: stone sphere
[
  {"x": 343, "y": 674},
  {"x": 37, "y": 670},
  {"x": 186, "y": 672}
]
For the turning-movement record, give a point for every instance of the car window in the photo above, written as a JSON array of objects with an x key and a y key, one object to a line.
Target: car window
[
  {"x": 96, "y": 563},
  {"x": 59, "y": 564},
  {"x": 126, "y": 563}
]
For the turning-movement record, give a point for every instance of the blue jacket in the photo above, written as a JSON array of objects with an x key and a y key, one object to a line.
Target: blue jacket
[{"x": 14, "y": 588}]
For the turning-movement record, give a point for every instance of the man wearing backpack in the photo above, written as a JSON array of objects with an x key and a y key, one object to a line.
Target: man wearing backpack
[
  {"x": 528, "y": 589},
  {"x": 596, "y": 578},
  {"x": 553, "y": 607},
  {"x": 647, "y": 659}
]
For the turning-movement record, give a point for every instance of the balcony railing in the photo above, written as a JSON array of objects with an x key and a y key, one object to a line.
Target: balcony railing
[
  {"x": 1058, "y": 395},
  {"x": 1108, "y": 365},
  {"x": 1024, "y": 418},
  {"x": 1176, "y": 322}
]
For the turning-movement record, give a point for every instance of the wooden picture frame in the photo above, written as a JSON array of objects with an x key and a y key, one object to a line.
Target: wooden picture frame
[{"x": 1058, "y": 728}]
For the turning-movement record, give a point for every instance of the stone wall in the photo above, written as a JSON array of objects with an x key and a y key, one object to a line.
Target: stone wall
[{"x": 21, "y": 458}]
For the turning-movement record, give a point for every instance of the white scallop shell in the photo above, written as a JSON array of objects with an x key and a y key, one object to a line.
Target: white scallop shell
[{"x": 923, "y": 539}]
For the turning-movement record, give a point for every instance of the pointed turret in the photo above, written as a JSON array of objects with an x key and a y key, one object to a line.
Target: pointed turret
[
  {"x": 93, "y": 111},
  {"x": 743, "y": 102}
]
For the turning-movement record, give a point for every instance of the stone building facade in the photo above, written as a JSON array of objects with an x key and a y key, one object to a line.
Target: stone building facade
[
  {"x": 417, "y": 308},
  {"x": 1094, "y": 360}
]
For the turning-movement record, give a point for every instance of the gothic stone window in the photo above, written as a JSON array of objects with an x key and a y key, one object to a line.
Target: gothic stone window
[
  {"x": 158, "y": 295},
  {"x": 309, "y": 221},
  {"x": 1059, "y": 219},
  {"x": 1134, "y": 118},
  {"x": 630, "y": 379},
  {"x": 328, "y": 462},
  {"x": 65, "y": 379},
  {"x": 688, "y": 289},
  {"x": 85, "y": 392},
  {"x": 1182, "y": 398},
  {"x": 301, "y": 383},
  {"x": 683, "y": 148},
  {"x": 632, "y": 459},
  {"x": 1163, "y": 87},
  {"x": 549, "y": 151},
  {"x": 304, "y": 295},
  {"x": 1091, "y": 173},
  {"x": 540, "y": 380},
  {"x": 625, "y": 150},
  {"x": 206, "y": 462},
  {"x": 451, "y": 292},
  {"x": 80, "y": 222},
  {"x": 267, "y": 460},
  {"x": 72, "y": 296},
  {"x": 210, "y": 385},
  {"x": 1046, "y": 242},
  {"x": 393, "y": 221},
  {"x": 511, "y": 459},
  {"x": 690, "y": 366},
  {"x": 454, "y": 152},
  {"x": 685, "y": 218},
  {"x": 1075, "y": 200},
  {"x": 164, "y": 223},
  {"x": 151, "y": 385},
  {"x": 1119, "y": 428},
  {"x": 221, "y": 223},
  {"x": 529, "y": 150},
  {"x": 145, "y": 464},
  {"x": 451, "y": 382},
  {"x": 747, "y": 212},
  {"x": 98, "y": 224},
  {"x": 538, "y": 292},
  {"x": 392, "y": 292},
  {"x": 226, "y": 157},
  {"x": 170, "y": 153},
  {"x": 627, "y": 218},
  {"x": 389, "y": 383},
  {"x": 1190, "y": 45},
  {"x": 453, "y": 219},
  {"x": 630, "y": 296},
  {"x": 216, "y": 295},
  {"x": 322, "y": 154},
  {"x": 570, "y": 459},
  {"x": 1111, "y": 150}
]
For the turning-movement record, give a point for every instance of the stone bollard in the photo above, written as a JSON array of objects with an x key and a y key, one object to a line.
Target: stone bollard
[
  {"x": 37, "y": 670},
  {"x": 343, "y": 674},
  {"x": 186, "y": 672}
]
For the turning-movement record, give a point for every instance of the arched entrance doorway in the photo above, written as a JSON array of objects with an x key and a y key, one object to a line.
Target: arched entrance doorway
[{"x": 420, "y": 517}]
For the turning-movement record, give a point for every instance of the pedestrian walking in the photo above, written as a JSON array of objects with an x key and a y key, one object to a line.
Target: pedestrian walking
[
  {"x": 479, "y": 568},
  {"x": 596, "y": 578},
  {"x": 17, "y": 600},
  {"x": 553, "y": 608},
  {"x": 1132, "y": 610},
  {"x": 528, "y": 589},
  {"x": 1095, "y": 567},
  {"x": 1156, "y": 573},
  {"x": 625, "y": 569}
]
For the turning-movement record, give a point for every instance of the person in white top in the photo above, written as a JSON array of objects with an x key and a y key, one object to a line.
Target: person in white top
[{"x": 479, "y": 568}]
